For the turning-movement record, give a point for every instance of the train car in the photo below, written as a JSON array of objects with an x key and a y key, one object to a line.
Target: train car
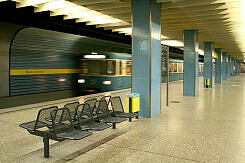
[
  {"x": 108, "y": 71},
  {"x": 105, "y": 71},
  {"x": 176, "y": 69}
]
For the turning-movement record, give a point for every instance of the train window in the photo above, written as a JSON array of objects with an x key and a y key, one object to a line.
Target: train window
[
  {"x": 126, "y": 67},
  {"x": 111, "y": 66},
  {"x": 171, "y": 67},
  {"x": 98, "y": 67},
  {"x": 175, "y": 67},
  {"x": 84, "y": 65},
  {"x": 180, "y": 68},
  {"x": 129, "y": 67}
]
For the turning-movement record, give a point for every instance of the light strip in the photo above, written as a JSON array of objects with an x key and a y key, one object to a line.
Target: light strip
[
  {"x": 71, "y": 10},
  {"x": 123, "y": 30},
  {"x": 94, "y": 56},
  {"x": 200, "y": 51},
  {"x": 54, "y": 5},
  {"x": 104, "y": 21},
  {"x": 25, "y": 3},
  {"x": 173, "y": 43},
  {"x": 68, "y": 10},
  {"x": 84, "y": 13}
]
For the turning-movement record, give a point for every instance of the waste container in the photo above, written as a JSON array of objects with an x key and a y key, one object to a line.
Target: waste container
[
  {"x": 133, "y": 103},
  {"x": 207, "y": 83}
]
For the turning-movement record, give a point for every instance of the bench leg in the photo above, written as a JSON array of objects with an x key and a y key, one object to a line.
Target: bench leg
[
  {"x": 114, "y": 125},
  {"x": 130, "y": 119},
  {"x": 46, "y": 146}
]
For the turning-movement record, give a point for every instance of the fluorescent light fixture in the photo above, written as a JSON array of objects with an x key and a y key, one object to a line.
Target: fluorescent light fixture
[
  {"x": 107, "y": 82},
  {"x": 200, "y": 51},
  {"x": 95, "y": 56},
  {"x": 53, "y": 5},
  {"x": 81, "y": 81},
  {"x": 25, "y": 3},
  {"x": 93, "y": 17},
  {"x": 163, "y": 37},
  {"x": 77, "y": 15},
  {"x": 173, "y": 43},
  {"x": 104, "y": 21},
  {"x": 68, "y": 10},
  {"x": 123, "y": 30},
  {"x": 72, "y": 10},
  {"x": 94, "y": 53}
]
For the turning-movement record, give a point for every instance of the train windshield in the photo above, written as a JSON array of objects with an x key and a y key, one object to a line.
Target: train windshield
[{"x": 98, "y": 67}]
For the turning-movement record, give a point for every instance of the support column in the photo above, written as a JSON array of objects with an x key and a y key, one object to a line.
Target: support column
[
  {"x": 218, "y": 65},
  {"x": 232, "y": 66},
  {"x": 208, "y": 64},
  {"x": 191, "y": 72},
  {"x": 146, "y": 76},
  {"x": 224, "y": 66},
  {"x": 239, "y": 68},
  {"x": 235, "y": 67},
  {"x": 229, "y": 67}
]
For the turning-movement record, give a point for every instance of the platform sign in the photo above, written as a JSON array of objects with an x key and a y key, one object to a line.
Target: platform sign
[{"x": 165, "y": 74}]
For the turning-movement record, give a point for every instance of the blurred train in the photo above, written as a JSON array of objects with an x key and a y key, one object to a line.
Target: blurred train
[
  {"x": 42, "y": 61},
  {"x": 108, "y": 71}
]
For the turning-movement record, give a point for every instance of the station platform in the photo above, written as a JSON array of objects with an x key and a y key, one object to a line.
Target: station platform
[{"x": 206, "y": 128}]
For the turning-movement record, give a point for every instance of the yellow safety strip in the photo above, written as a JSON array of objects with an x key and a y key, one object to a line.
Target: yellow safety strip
[{"x": 43, "y": 71}]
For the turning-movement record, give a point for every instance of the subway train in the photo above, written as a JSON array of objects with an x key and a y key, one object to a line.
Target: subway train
[
  {"x": 108, "y": 71},
  {"x": 43, "y": 61}
]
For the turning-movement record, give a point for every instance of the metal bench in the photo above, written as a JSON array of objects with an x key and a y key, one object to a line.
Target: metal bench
[
  {"x": 118, "y": 110},
  {"x": 108, "y": 100},
  {"x": 86, "y": 118},
  {"x": 72, "y": 107},
  {"x": 92, "y": 104},
  {"x": 104, "y": 114},
  {"x": 56, "y": 124},
  {"x": 43, "y": 120}
]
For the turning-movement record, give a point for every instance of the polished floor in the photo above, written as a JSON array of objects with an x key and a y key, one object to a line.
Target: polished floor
[{"x": 206, "y": 128}]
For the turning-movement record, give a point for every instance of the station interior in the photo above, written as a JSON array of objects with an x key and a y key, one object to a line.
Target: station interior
[{"x": 109, "y": 81}]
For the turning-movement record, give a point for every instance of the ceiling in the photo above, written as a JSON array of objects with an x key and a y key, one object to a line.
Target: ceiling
[{"x": 219, "y": 21}]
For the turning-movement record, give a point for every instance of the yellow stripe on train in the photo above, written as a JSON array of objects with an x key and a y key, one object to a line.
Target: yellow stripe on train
[{"x": 43, "y": 71}]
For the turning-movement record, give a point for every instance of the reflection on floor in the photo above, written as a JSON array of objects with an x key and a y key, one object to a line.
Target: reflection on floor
[{"x": 207, "y": 128}]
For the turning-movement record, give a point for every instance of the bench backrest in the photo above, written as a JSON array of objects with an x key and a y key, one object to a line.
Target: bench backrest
[
  {"x": 108, "y": 100},
  {"x": 43, "y": 116},
  {"x": 72, "y": 107},
  {"x": 92, "y": 103},
  {"x": 65, "y": 120},
  {"x": 116, "y": 104},
  {"x": 84, "y": 113},
  {"x": 102, "y": 109}
]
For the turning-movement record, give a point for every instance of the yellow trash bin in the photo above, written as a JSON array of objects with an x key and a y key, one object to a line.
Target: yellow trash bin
[
  {"x": 133, "y": 103},
  {"x": 207, "y": 83}
]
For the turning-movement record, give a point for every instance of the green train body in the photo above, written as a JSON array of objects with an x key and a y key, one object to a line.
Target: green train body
[{"x": 107, "y": 71}]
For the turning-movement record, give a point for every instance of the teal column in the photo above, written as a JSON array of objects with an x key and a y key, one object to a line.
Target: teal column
[
  {"x": 239, "y": 68},
  {"x": 236, "y": 65},
  {"x": 218, "y": 65},
  {"x": 146, "y": 50},
  {"x": 229, "y": 67},
  {"x": 208, "y": 63},
  {"x": 232, "y": 66},
  {"x": 191, "y": 63},
  {"x": 235, "y": 71},
  {"x": 224, "y": 66}
]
